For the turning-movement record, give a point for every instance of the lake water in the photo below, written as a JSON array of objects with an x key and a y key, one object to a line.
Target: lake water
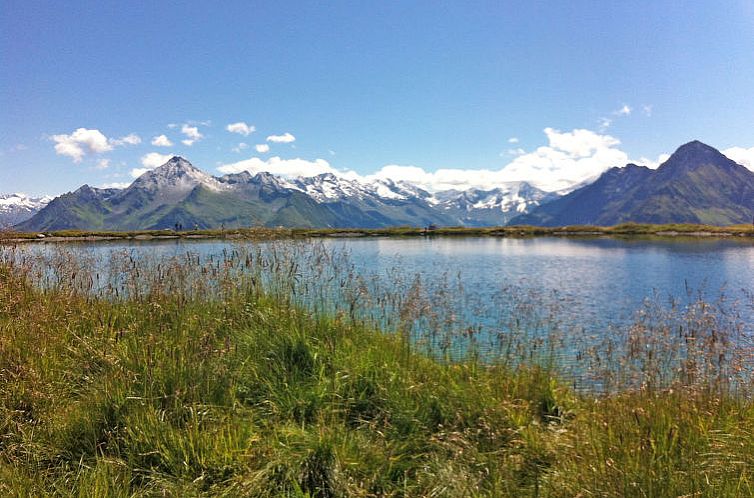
[
  {"x": 594, "y": 279},
  {"x": 591, "y": 285}
]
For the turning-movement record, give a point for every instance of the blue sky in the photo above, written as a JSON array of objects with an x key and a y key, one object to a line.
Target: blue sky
[{"x": 369, "y": 87}]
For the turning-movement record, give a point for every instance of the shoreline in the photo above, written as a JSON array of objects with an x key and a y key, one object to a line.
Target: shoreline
[{"x": 624, "y": 230}]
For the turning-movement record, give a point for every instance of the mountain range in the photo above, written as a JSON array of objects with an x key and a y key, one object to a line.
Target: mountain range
[
  {"x": 179, "y": 194},
  {"x": 697, "y": 184},
  {"x": 15, "y": 208}
]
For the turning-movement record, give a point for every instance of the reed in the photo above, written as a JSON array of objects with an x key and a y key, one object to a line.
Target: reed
[{"x": 278, "y": 370}]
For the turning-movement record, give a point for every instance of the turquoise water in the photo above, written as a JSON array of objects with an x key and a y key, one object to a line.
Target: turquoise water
[
  {"x": 592, "y": 281},
  {"x": 588, "y": 282},
  {"x": 510, "y": 298}
]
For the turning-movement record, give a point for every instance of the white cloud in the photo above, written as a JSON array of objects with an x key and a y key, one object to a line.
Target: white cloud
[
  {"x": 568, "y": 159},
  {"x": 285, "y": 138},
  {"x": 652, "y": 163},
  {"x": 150, "y": 161},
  {"x": 137, "y": 172},
  {"x": 162, "y": 141},
  {"x": 646, "y": 110},
  {"x": 579, "y": 142},
  {"x": 284, "y": 167},
  {"x": 240, "y": 147},
  {"x": 80, "y": 142},
  {"x": 513, "y": 140},
  {"x": 103, "y": 163},
  {"x": 262, "y": 148},
  {"x": 742, "y": 156},
  {"x": 192, "y": 133},
  {"x": 83, "y": 141},
  {"x": 118, "y": 185},
  {"x": 623, "y": 111},
  {"x": 241, "y": 128},
  {"x": 606, "y": 122},
  {"x": 190, "y": 122},
  {"x": 130, "y": 139},
  {"x": 155, "y": 159}
]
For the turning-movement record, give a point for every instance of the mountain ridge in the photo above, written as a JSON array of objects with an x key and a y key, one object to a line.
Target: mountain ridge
[
  {"x": 18, "y": 207},
  {"x": 696, "y": 184},
  {"x": 179, "y": 194}
]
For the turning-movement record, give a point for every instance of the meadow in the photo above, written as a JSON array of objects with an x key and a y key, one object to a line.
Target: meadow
[
  {"x": 240, "y": 376},
  {"x": 267, "y": 233}
]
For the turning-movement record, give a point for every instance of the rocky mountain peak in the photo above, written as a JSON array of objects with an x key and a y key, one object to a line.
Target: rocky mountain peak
[
  {"x": 176, "y": 174},
  {"x": 694, "y": 154},
  {"x": 695, "y": 147},
  {"x": 697, "y": 184},
  {"x": 178, "y": 166},
  {"x": 235, "y": 178},
  {"x": 265, "y": 178}
]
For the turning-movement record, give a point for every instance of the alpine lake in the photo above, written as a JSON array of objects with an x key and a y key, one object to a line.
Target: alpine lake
[{"x": 472, "y": 295}]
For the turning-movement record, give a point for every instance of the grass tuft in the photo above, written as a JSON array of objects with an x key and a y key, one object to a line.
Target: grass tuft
[{"x": 190, "y": 378}]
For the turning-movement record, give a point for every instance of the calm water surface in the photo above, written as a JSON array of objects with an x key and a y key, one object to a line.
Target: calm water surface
[{"x": 590, "y": 282}]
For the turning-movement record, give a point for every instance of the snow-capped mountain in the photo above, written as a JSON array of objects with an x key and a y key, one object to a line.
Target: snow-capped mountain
[
  {"x": 399, "y": 190},
  {"x": 15, "y": 208},
  {"x": 179, "y": 194},
  {"x": 476, "y": 207},
  {"x": 172, "y": 181},
  {"x": 328, "y": 187}
]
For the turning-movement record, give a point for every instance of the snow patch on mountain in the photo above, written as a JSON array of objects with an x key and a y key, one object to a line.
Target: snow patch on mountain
[
  {"x": 18, "y": 207},
  {"x": 515, "y": 196},
  {"x": 173, "y": 181},
  {"x": 19, "y": 200},
  {"x": 328, "y": 188},
  {"x": 368, "y": 200}
]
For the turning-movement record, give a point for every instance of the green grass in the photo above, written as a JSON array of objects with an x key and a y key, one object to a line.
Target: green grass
[
  {"x": 238, "y": 392},
  {"x": 625, "y": 229}
]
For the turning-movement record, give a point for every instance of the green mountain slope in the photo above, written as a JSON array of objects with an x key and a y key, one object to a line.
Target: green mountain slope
[
  {"x": 86, "y": 207},
  {"x": 178, "y": 194},
  {"x": 697, "y": 184}
]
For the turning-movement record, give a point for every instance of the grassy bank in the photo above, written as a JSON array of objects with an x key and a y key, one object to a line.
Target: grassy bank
[
  {"x": 199, "y": 380},
  {"x": 623, "y": 230}
]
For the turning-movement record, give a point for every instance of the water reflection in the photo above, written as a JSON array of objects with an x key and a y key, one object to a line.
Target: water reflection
[{"x": 593, "y": 281}]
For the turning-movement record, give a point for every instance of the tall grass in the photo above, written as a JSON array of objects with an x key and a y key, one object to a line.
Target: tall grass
[{"x": 278, "y": 370}]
